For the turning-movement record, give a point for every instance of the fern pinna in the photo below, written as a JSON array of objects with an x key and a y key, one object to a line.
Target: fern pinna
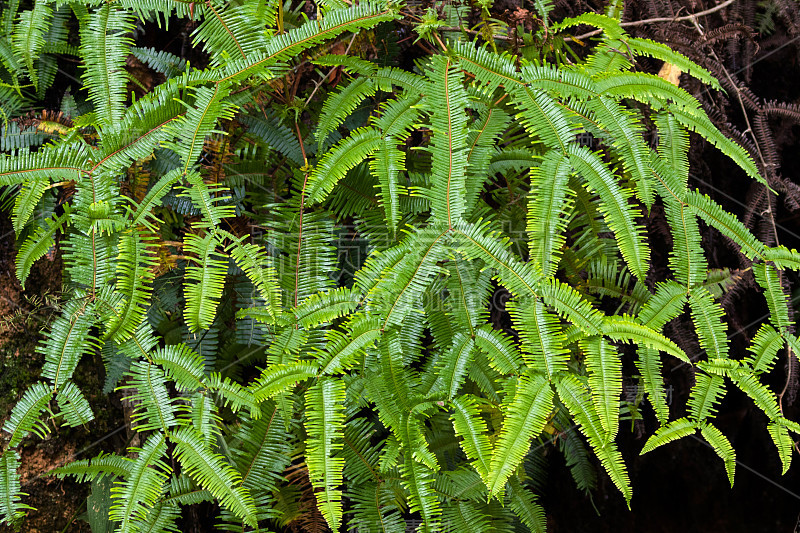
[{"x": 366, "y": 298}]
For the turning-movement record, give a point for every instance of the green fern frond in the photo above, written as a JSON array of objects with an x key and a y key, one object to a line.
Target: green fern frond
[
  {"x": 526, "y": 417},
  {"x": 340, "y": 105},
  {"x": 138, "y": 493},
  {"x": 784, "y": 444},
  {"x": 473, "y": 431},
  {"x": 707, "y": 316},
  {"x": 542, "y": 337},
  {"x": 649, "y": 366},
  {"x": 325, "y": 307},
  {"x": 721, "y": 446},
  {"x": 526, "y": 508},
  {"x": 705, "y": 395},
  {"x": 28, "y": 38},
  {"x": 183, "y": 366},
  {"x": 25, "y": 416},
  {"x": 341, "y": 158},
  {"x": 549, "y": 200},
  {"x": 605, "y": 381},
  {"x": 578, "y": 400},
  {"x": 666, "y": 304},
  {"x": 446, "y": 100},
  {"x": 26, "y": 201},
  {"x": 677, "y": 429},
  {"x": 453, "y": 366},
  {"x": 147, "y": 386},
  {"x": 770, "y": 280},
  {"x": 284, "y": 46},
  {"x": 104, "y": 45},
  {"x": 325, "y": 426},
  {"x": 213, "y": 474},
  {"x": 503, "y": 354},
  {"x": 73, "y": 405},
  {"x": 646, "y": 47},
  {"x": 205, "y": 281},
  {"x": 66, "y": 161},
  {"x": 11, "y": 509},
  {"x": 161, "y": 61},
  {"x": 277, "y": 378},
  {"x": 614, "y": 204},
  {"x": 68, "y": 341},
  {"x": 764, "y": 349},
  {"x": 624, "y": 328}
]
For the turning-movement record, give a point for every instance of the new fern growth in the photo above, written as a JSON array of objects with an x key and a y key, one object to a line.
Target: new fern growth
[{"x": 366, "y": 297}]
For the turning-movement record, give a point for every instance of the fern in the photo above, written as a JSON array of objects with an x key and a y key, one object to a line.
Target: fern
[{"x": 371, "y": 305}]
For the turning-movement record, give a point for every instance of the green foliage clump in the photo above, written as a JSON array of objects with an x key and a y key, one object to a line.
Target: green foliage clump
[{"x": 390, "y": 383}]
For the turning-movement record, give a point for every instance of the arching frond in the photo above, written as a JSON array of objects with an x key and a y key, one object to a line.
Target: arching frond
[
  {"x": 325, "y": 426},
  {"x": 526, "y": 418}
]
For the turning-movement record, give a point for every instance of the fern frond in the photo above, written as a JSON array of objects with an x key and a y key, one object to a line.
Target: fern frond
[
  {"x": 95, "y": 468},
  {"x": 623, "y": 328},
  {"x": 73, "y": 405},
  {"x": 578, "y": 400},
  {"x": 446, "y": 100},
  {"x": 503, "y": 354},
  {"x": 277, "y": 378},
  {"x": 707, "y": 317},
  {"x": 542, "y": 337},
  {"x": 343, "y": 348},
  {"x": 11, "y": 509},
  {"x": 677, "y": 429},
  {"x": 68, "y": 341},
  {"x": 649, "y": 48},
  {"x": 138, "y": 493},
  {"x": 161, "y": 61},
  {"x": 28, "y": 38},
  {"x": 66, "y": 161},
  {"x": 192, "y": 128},
  {"x": 526, "y": 508},
  {"x": 649, "y": 366},
  {"x": 287, "y": 45},
  {"x": 615, "y": 206},
  {"x": 769, "y": 278},
  {"x": 325, "y": 307},
  {"x": 230, "y": 32},
  {"x": 475, "y": 241},
  {"x": 345, "y": 155},
  {"x": 473, "y": 431},
  {"x": 25, "y": 416},
  {"x": 340, "y": 105},
  {"x": 155, "y": 409},
  {"x": 416, "y": 476},
  {"x": 135, "y": 275},
  {"x": 452, "y": 367},
  {"x": 104, "y": 45},
  {"x": 526, "y": 417},
  {"x": 233, "y": 395},
  {"x": 325, "y": 426},
  {"x": 784, "y": 444},
  {"x": 721, "y": 446},
  {"x": 666, "y": 304},
  {"x": 183, "y": 365},
  {"x": 605, "y": 381},
  {"x": 205, "y": 281},
  {"x": 705, "y": 395},
  {"x": 548, "y": 202},
  {"x": 213, "y": 474},
  {"x": 764, "y": 349},
  {"x": 252, "y": 259}
]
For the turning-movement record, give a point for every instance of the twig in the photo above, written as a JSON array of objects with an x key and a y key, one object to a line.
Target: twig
[{"x": 693, "y": 16}]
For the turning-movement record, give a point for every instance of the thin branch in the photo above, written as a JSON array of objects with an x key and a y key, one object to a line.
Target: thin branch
[{"x": 693, "y": 16}]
